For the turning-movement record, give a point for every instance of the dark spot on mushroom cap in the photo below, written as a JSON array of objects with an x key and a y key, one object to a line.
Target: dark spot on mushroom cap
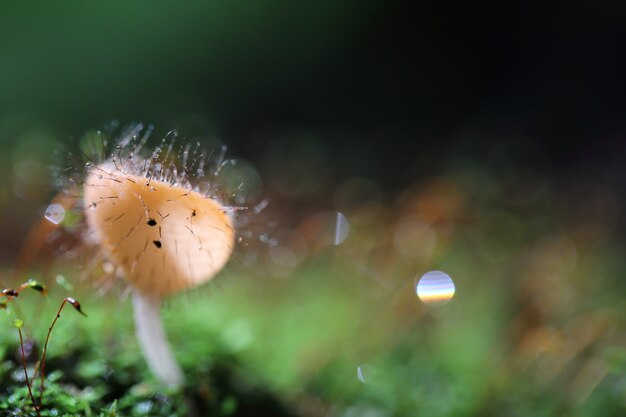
[
  {"x": 157, "y": 243},
  {"x": 151, "y": 222}
]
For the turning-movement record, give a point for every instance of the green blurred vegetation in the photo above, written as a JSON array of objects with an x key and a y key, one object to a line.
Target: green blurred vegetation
[{"x": 534, "y": 328}]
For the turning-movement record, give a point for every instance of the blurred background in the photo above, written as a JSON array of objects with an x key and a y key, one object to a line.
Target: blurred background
[{"x": 485, "y": 140}]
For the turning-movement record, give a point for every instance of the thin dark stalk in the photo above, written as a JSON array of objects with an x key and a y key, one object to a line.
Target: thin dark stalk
[
  {"x": 45, "y": 350},
  {"x": 30, "y": 392},
  {"x": 76, "y": 305}
]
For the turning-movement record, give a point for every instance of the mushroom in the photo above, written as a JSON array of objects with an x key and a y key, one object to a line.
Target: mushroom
[{"x": 164, "y": 236}]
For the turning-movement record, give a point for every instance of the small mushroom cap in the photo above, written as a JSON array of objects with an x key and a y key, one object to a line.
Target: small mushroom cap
[{"x": 165, "y": 238}]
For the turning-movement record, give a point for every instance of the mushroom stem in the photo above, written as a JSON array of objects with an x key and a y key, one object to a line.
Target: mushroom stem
[{"x": 153, "y": 342}]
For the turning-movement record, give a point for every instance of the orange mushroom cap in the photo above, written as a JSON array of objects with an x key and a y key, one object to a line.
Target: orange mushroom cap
[{"x": 164, "y": 237}]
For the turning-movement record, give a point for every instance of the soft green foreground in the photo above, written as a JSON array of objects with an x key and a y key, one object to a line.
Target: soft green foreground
[{"x": 294, "y": 346}]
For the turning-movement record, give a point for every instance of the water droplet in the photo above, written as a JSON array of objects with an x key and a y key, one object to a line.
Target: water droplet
[
  {"x": 365, "y": 372},
  {"x": 435, "y": 288},
  {"x": 342, "y": 229},
  {"x": 55, "y": 213}
]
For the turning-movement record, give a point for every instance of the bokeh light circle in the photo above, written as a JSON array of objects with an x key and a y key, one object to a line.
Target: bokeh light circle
[
  {"x": 435, "y": 288},
  {"x": 55, "y": 213}
]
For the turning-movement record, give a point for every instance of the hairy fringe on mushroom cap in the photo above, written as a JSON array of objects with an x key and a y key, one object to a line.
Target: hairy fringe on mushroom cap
[
  {"x": 156, "y": 216},
  {"x": 126, "y": 153}
]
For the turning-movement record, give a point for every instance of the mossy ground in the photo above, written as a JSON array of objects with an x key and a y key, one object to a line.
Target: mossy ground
[{"x": 294, "y": 347}]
